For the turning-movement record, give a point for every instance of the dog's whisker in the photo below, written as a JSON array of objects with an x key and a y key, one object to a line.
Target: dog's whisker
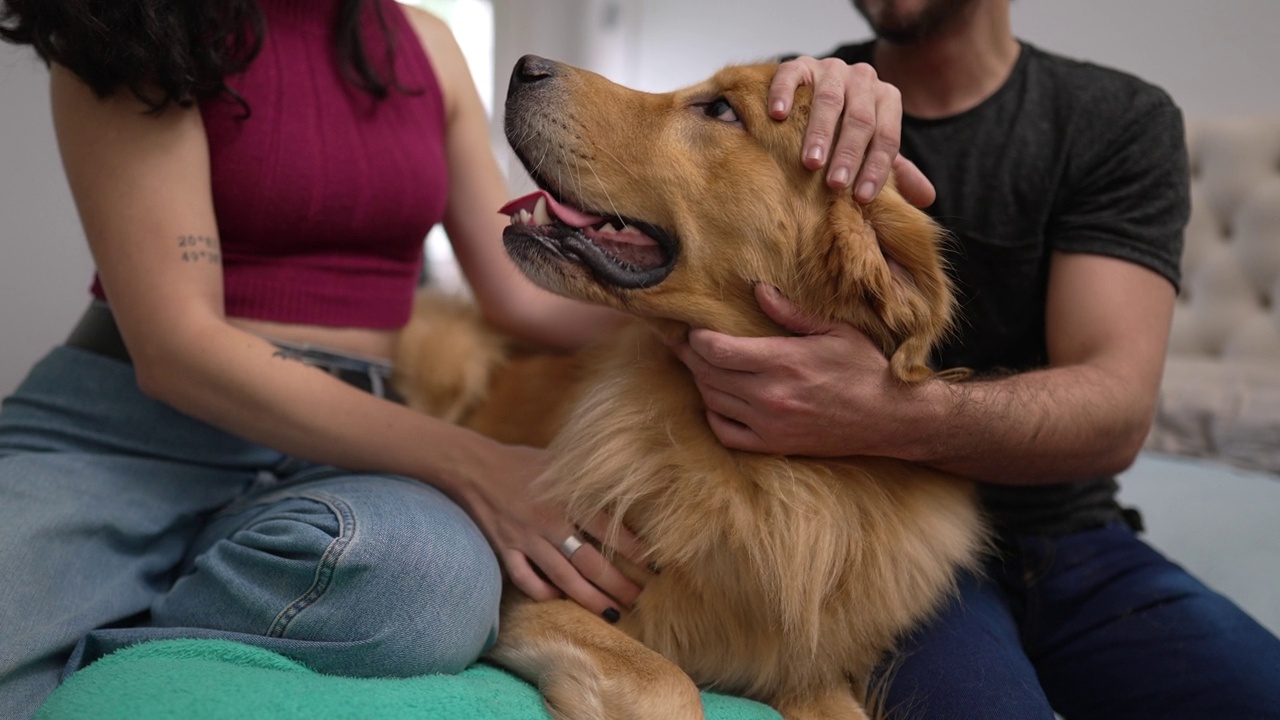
[
  {"x": 541, "y": 160},
  {"x": 605, "y": 187},
  {"x": 624, "y": 166}
]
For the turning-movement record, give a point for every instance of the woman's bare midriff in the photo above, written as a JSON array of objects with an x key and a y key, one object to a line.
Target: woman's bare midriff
[{"x": 378, "y": 344}]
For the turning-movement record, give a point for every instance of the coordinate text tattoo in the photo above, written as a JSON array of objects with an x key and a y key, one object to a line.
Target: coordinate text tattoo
[{"x": 199, "y": 248}]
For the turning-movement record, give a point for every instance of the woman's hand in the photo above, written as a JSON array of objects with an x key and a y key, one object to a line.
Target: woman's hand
[
  {"x": 528, "y": 537},
  {"x": 867, "y": 114}
]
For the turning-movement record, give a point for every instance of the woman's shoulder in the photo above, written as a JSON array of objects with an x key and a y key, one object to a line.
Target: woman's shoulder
[
  {"x": 436, "y": 38},
  {"x": 431, "y": 29},
  {"x": 441, "y": 48}
]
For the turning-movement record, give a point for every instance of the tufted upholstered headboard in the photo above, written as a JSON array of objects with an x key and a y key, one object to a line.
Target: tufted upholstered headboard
[
  {"x": 1221, "y": 392},
  {"x": 1230, "y": 301}
]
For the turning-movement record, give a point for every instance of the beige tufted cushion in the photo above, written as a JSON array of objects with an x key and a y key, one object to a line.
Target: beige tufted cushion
[
  {"x": 1221, "y": 393},
  {"x": 1230, "y": 301}
]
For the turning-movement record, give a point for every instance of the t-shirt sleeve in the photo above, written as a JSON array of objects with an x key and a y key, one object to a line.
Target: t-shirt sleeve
[{"x": 1129, "y": 187}]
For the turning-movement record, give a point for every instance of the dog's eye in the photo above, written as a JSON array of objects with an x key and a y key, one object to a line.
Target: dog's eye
[{"x": 720, "y": 109}]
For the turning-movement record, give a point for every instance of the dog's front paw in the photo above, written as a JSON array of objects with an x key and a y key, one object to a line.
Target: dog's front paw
[{"x": 622, "y": 688}]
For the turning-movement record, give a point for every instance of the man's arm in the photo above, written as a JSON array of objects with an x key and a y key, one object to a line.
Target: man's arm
[{"x": 829, "y": 392}]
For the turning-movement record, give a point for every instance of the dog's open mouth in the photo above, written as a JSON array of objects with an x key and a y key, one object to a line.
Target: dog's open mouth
[{"x": 620, "y": 252}]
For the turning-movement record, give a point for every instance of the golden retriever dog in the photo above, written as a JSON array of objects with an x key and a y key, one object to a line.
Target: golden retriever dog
[{"x": 783, "y": 579}]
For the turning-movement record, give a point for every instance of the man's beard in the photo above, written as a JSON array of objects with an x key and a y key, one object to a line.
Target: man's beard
[{"x": 933, "y": 17}]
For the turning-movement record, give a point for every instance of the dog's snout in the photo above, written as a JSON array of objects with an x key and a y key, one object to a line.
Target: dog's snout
[{"x": 530, "y": 69}]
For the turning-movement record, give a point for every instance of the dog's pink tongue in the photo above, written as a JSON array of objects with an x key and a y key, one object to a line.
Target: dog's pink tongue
[{"x": 568, "y": 215}]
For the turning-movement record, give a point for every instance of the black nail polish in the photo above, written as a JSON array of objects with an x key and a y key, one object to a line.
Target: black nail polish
[{"x": 611, "y": 615}]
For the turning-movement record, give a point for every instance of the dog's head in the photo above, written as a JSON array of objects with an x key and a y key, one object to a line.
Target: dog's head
[{"x": 672, "y": 206}]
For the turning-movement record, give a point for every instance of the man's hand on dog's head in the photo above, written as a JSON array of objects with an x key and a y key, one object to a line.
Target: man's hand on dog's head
[{"x": 868, "y": 113}]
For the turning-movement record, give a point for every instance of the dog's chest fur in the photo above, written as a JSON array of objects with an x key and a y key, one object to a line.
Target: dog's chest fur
[{"x": 768, "y": 565}]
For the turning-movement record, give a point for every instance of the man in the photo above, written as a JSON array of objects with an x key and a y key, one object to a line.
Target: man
[{"x": 1066, "y": 188}]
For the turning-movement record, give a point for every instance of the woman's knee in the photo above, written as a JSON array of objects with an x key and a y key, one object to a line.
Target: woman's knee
[
  {"x": 441, "y": 583},
  {"x": 387, "y": 577}
]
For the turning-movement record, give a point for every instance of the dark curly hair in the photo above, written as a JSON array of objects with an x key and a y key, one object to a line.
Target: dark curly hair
[{"x": 174, "y": 51}]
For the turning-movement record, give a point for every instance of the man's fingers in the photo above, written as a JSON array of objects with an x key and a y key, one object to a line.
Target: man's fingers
[
  {"x": 854, "y": 127},
  {"x": 824, "y": 118},
  {"x": 912, "y": 183},
  {"x": 781, "y": 310},
  {"x": 782, "y": 90},
  {"x": 733, "y": 434},
  {"x": 720, "y": 389},
  {"x": 859, "y": 125},
  {"x": 824, "y": 110},
  {"x": 883, "y": 148},
  {"x": 730, "y": 406},
  {"x": 722, "y": 351}
]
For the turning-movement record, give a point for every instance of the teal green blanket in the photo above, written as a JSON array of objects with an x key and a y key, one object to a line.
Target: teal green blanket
[{"x": 218, "y": 679}]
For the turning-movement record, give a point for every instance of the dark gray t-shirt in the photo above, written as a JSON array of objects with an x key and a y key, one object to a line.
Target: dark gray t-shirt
[{"x": 1066, "y": 156}]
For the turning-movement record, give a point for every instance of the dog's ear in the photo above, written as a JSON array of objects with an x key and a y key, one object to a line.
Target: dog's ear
[{"x": 882, "y": 270}]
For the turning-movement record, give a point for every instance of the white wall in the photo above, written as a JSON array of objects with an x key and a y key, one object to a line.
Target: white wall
[
  {"x": 45, "y": 268},
  {"x": 603, "y": 35},
  {"x": 1215, "y": 58}
]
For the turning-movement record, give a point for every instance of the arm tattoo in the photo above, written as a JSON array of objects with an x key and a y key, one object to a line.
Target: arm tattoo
[{"x": 200, "y": 248}]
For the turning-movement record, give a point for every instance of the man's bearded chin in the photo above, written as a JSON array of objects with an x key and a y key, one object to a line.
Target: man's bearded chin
[{"x": 898, "y": 29}]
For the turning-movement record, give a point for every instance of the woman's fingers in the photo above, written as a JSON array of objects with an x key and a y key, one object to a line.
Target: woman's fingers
[
  {"x": 617, "y": 538},
  {"x": 604, "y": 575},
  {"x": 564, "y": 573},
  {"x": 525, "y": 577}
]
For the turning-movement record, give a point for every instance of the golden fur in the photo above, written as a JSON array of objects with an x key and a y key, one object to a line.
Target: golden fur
[{"x": 782, "y": 579}]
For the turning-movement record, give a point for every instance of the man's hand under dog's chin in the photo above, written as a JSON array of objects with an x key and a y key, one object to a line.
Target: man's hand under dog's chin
[{"x": 827, "y": 391}]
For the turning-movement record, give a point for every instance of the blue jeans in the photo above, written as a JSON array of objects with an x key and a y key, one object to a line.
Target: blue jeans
[
  {"x": 122, "y": 520},
  {"x": 1095, "y": 625}
]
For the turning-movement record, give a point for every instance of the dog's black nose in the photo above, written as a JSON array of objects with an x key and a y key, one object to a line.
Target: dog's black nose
[{"x": 529, "y": 70}]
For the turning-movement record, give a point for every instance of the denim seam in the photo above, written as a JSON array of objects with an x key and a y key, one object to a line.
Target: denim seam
[{"x": 325, "y": 570}]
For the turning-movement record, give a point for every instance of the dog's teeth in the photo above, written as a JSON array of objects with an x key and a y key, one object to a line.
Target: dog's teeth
[
  {"x": 608, "y": 228},
  {"x": 524, "y": 217},
  {"x": 540, "y": 214}
]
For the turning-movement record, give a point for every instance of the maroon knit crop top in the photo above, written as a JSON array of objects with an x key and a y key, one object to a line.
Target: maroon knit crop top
[{"x": 324, "y": 194}]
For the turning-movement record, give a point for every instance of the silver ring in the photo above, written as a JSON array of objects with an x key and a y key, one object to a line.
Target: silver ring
[{"x": 571, "y": 545}]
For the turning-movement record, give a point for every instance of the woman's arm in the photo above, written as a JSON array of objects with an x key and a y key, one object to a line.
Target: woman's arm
[
  {"x": 141, "y": 184},
  {"x": 477, "y": 189}
]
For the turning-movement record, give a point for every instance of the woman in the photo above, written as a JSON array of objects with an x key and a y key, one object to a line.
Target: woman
[{"x": 215, "y": 451}]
